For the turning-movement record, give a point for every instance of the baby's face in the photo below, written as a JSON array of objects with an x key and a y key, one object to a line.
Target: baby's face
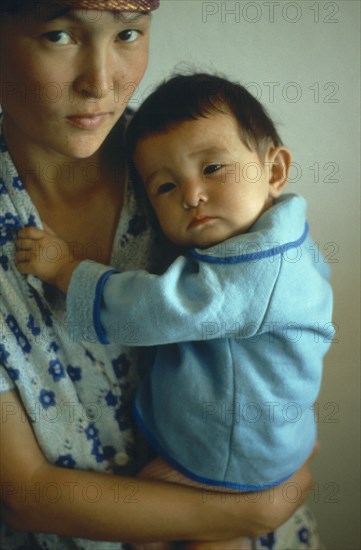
[{"x": 204, "y": 184}]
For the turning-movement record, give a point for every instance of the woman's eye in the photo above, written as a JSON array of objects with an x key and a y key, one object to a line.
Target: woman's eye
[
  {"x": 165, "y": 188},
  {"x": 58, "y": 37},
  {"x": 130, "y": 35},
  {"x": 211, "y": 168}
]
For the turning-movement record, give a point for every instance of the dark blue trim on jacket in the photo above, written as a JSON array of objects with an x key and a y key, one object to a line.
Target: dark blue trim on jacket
[
  {"x": 99, "y": 331},
  {"x": 251, "y": 257},
  {"x": 199, "y": 479}
]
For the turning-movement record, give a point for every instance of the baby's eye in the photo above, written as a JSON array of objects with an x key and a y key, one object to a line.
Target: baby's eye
[
  {"x": 210, "y": 168},
  {"x": 58, "y": 37},
  {"x": 130, "y": 35},
  {"x": 165, "y": 188}
]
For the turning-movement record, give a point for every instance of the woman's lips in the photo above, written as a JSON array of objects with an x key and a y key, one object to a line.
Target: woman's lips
[{"x": 88, "y": 121}]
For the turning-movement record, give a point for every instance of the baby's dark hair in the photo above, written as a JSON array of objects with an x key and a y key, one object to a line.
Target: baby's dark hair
[{"x": 189, "y": 97}]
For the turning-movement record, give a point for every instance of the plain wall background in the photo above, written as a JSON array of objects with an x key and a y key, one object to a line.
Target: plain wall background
[{"x": 302, "y": 61}]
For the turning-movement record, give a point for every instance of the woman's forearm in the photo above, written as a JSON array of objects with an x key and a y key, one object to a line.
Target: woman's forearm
[
  {"x": 103, "y": 507},
  {"x": 38, "y": 496}
]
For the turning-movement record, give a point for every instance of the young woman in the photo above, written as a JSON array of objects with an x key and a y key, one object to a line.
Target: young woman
[{"x": 67, "y": 71}]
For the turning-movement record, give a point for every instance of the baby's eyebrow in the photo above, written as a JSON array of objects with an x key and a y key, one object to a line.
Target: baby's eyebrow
[
  {"x": 149, "y": 179},
  {"x": 213, "y": 150}
]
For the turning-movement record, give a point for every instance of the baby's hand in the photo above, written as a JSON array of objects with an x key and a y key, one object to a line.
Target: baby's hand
[{"x": 45, "y": 255}]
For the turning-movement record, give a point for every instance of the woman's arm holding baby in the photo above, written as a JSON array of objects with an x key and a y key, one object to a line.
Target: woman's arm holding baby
[{"x": 38, "y": 496}]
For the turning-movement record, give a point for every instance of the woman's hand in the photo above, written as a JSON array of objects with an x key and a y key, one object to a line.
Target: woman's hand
[
  {"x": 269, "y": 509},
  {"x": 279, "y": 503}
]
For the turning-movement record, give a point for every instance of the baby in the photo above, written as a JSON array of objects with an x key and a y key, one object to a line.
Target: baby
[{"x": 242, "y": 317}]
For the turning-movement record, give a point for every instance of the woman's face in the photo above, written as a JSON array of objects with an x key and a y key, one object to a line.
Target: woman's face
[{"x": 66, "y": 78}]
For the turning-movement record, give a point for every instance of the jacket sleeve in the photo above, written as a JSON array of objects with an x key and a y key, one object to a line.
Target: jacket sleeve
[{"x": 191, "y": 301}]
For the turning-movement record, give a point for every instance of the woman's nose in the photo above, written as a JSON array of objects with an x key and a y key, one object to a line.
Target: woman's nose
[
  {"x": 96, "y": 77},
  {"x": 194, "y": 194}
]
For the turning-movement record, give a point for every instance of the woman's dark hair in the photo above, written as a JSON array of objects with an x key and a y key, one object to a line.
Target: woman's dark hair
[
  {"x": 17, "y": 6},
  {"x": 28, "y": 7},
  {"x": 188, "y": 97}
]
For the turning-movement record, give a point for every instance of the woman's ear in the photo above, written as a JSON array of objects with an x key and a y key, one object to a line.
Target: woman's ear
[{"x": 278, "y": 160}]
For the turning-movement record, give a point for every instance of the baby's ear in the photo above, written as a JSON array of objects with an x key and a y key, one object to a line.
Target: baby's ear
[{"x": 278, "y": 160}]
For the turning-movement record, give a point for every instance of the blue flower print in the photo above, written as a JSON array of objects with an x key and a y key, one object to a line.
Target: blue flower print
[
  {"x": 56, "y": 370},
  {"x": 91, "y": 432},
  {"x": 53, "y": 347},
  {"x": 14, "y": 374},
  {"x": 8, "y": 224},
  {"x": 3, "y": 190},
  {"x": 111, "y": 399},
  {"x": 47, "y": 398},
  {"x": 74, "y": 373},
  {"x": 304, "y": 535},
  {"x": 121, "y": 366},
  {"x": 92, "y": 435},
  {"x": 4, "y": 262},
  {"x": 17, "y": 183},
  {"x": 268, "y": 541},
  {"x": 35, "y": 330},
  {"x": 3, "y": 353},
  {"x": 21, "y": 339},
  {"x": 65, "y": 461},
  {"x": 31, "y": 221},
  {"x": 97, "y": 451}
]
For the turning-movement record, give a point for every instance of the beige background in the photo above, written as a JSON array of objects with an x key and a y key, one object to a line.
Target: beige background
[{"x": 302, "y": 60}]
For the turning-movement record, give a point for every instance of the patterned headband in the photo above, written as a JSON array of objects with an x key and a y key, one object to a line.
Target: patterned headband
[
  {"x": 117, "y": 5},
  {"x": 143, "y": 6}
]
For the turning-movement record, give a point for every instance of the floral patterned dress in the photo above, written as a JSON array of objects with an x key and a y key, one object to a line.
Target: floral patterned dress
[{"x": 77, "y": 396}]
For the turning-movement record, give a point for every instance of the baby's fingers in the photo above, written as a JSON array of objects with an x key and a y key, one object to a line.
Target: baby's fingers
[
  {"x": 26, "y": 244},
  {"x": 27, "y": 253},
  {"x": 31, "y": 233}
]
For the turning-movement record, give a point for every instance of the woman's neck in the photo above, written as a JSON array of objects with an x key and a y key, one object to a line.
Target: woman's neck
[
  {"x": 80, "y": 199},
  {"x": 53, "y": 176}
]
